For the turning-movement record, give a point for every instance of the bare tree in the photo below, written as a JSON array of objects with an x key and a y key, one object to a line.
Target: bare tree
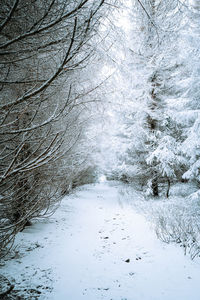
[{"x": 42, "y": 44}]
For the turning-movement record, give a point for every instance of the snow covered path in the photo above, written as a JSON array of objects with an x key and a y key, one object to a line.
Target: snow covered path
[{"x": 96, "y": 247}]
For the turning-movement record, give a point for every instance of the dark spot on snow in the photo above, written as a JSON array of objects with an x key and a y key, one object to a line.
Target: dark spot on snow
[
  {"x": 33, "y": 291},
  {"x": 39, "y": 286},
  {"x": 127, "y": 260}
]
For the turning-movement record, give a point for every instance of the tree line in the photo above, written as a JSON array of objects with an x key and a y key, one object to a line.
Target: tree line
[
  {"x": 157, "y": 105},
  {"x": 45, "y": 47}
]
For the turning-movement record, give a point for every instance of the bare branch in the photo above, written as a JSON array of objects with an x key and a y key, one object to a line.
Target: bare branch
[
  {"x": 47, "y": 27},
  {"x": 9, "y": 16}
]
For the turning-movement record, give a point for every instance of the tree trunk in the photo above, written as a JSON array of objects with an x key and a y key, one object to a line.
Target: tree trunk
[
  {"x": 168, "y": 187},
  {"x": 155, "y": 185}
]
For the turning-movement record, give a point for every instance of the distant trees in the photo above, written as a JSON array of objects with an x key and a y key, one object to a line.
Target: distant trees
[{"x": 42, "y": 108}]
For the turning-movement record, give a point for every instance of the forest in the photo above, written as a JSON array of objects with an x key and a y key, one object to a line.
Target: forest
[{"x": 99, "y": 94}]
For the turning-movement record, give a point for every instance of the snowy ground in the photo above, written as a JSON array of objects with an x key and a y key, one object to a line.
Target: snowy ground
[{"x": 97, "y": 247}]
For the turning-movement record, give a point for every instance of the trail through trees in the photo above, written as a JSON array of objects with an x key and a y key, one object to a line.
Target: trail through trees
[{"x": 97, "y": 247}]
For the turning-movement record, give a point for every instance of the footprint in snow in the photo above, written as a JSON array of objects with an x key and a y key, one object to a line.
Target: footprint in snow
[{"x": 138, "y": 258}]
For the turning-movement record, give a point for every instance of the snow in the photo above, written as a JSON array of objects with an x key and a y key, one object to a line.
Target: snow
[{"x": 96, "y": 246}]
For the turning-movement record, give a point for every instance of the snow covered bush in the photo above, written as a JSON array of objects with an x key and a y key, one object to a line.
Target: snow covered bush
[{"x": 176, "y": 228}]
